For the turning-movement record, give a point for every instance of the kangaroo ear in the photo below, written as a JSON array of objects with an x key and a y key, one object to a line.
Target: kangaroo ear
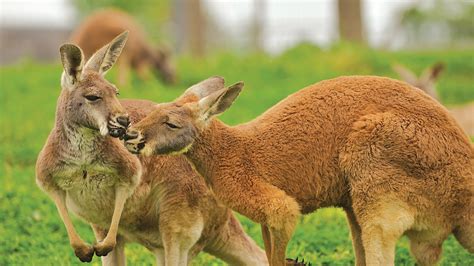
[
  {"x": 102, "y": 60},
  {"x": 432, "y": 73},
  {"x": 405, "y": 74},
  {"x": 203, "y": 89},
  {"x": 219, "y": 101},
  {"x": 72, "y": 59}
]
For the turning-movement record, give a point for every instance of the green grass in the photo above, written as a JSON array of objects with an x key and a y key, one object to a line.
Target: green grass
[{"x": 31, "y": 232}]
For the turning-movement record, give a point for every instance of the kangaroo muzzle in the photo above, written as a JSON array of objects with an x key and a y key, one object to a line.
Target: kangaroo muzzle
[{"x": 134, "y": 141}]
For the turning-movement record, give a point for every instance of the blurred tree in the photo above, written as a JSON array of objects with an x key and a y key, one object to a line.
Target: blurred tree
[
  {"x": 442, "y": 22},
  {"x": 350, "y": 20},
  {"x": 179, "y": 24},
  {"x": 196, "y": 26},
  {"x": 257, "y": 24},
  {"x": 190, "y": 26}
]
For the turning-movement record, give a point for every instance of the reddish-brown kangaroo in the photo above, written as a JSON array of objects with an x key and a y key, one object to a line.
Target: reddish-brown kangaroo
[{"x": 390, "y": 155}]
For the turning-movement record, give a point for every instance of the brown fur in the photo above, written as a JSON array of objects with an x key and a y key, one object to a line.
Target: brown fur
[
  {"x": 160, "y": 201},
  {"x": 392, "y": 157},
  {"x": 464, "y": 114},
  {"x": 102, "y": 26}
]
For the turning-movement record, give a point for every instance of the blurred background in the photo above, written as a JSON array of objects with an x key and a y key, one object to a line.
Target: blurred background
[
  {"x": 276, "y": 46},
  {"x": 36, "y": 28}
]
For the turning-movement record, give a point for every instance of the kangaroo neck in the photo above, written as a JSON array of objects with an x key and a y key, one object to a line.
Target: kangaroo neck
[
  {"x": 74, "y": 138},
  {"x": 212, "y": 149}
]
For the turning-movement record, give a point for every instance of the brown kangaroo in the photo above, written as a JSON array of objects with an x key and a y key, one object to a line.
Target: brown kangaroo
[
  {"x": 390, "y": 155},
  {"x": 102, "y": 26},
  {"x": 464, "y": 114},
  {"x": 159, "y": 202}
]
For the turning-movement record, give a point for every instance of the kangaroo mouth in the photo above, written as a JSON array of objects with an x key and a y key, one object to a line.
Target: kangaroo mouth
[{"x": 135, "y": 147}]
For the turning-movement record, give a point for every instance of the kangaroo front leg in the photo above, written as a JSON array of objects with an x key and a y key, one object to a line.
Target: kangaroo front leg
[
  {"x": 82, "y": 250},
  {"x": 106, "y": 245}
]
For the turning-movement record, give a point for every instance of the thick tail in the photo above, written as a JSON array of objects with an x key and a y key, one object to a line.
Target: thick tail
[
  {"x": 465, "y": 235},
  {"x": 464, "y": 232},
  {"x": 235, "y": 247}
]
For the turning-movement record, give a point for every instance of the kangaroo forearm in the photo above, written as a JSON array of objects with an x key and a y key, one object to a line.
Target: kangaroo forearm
[
  {"x": 110, "y": 240},
  {"x": 59, "y": 198}
]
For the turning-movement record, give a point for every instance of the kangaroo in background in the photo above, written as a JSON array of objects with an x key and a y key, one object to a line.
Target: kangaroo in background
[
  {"x": 159, "y": 202},
  {"x": 392, "y": 157},
  {"x": 464, "y": 114},
  {"x": 102, "y": 26}
]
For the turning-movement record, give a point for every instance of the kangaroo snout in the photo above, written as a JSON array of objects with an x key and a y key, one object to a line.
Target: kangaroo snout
[
  {"x": 131, "y": 134},
  {"x": 134, "y": 141}
]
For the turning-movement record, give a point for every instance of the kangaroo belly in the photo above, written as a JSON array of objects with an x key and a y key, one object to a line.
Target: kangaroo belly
[
  {"x": 92, "y": 202},
  {"x": 92, "y": 198},
  {"x": 90, "y": 192}
]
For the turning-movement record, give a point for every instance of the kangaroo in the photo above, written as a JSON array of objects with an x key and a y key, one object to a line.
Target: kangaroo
[
  {"x": 102, "y": 26},
  {"x": 464, "y": 114},
  {"x": 388, "y": 154},
  {"x": 159, "y": 202}
]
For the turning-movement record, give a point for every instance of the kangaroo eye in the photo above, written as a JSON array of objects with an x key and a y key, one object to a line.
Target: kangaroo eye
[
  {"x": 170, "y": 125},
  {"x": 92, "y": 98}
]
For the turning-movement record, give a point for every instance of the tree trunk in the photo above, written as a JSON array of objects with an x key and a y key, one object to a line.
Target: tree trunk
[
  {"x": 179, "y": 25},
  {"x": 350, "y": 20},
  {"x": 257, "y": 24},
  {"x": 190, "y": 26},
  {"x": 196, "y": 26}
]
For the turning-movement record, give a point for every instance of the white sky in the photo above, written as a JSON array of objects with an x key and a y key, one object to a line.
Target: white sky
[
  {"x": 285, "y": 21},
  {"x": 51, "y": 13}
]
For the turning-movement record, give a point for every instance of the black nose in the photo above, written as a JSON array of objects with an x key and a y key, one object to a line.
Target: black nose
[
  {"x": 130, "y": 134},
  {"x": 123, "y": 120}
]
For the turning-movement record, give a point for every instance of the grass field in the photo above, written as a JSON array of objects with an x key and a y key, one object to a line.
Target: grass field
[{"x": 31, "y": 232}]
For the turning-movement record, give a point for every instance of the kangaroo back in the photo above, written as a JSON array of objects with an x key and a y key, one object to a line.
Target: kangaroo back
[{"x": 102, "y": 26}]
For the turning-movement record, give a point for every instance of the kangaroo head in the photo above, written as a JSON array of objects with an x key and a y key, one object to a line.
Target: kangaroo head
[
  {"x": 173, "y": 127},
  {"x": 426, "y": 81},
  {"x": 163, "y": 65},
  {"x": 88, "y": 100}
]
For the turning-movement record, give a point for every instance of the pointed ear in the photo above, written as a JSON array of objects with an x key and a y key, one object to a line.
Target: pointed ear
[
  {"x": 405, "y": 74},
  {"x": 219, "y": 101},
  {"x": 203, "y": 89},
  {"x": 102, "y": 60},
  {"x": 72, "y": 59},
  {"x": 432, "y": 73}
]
